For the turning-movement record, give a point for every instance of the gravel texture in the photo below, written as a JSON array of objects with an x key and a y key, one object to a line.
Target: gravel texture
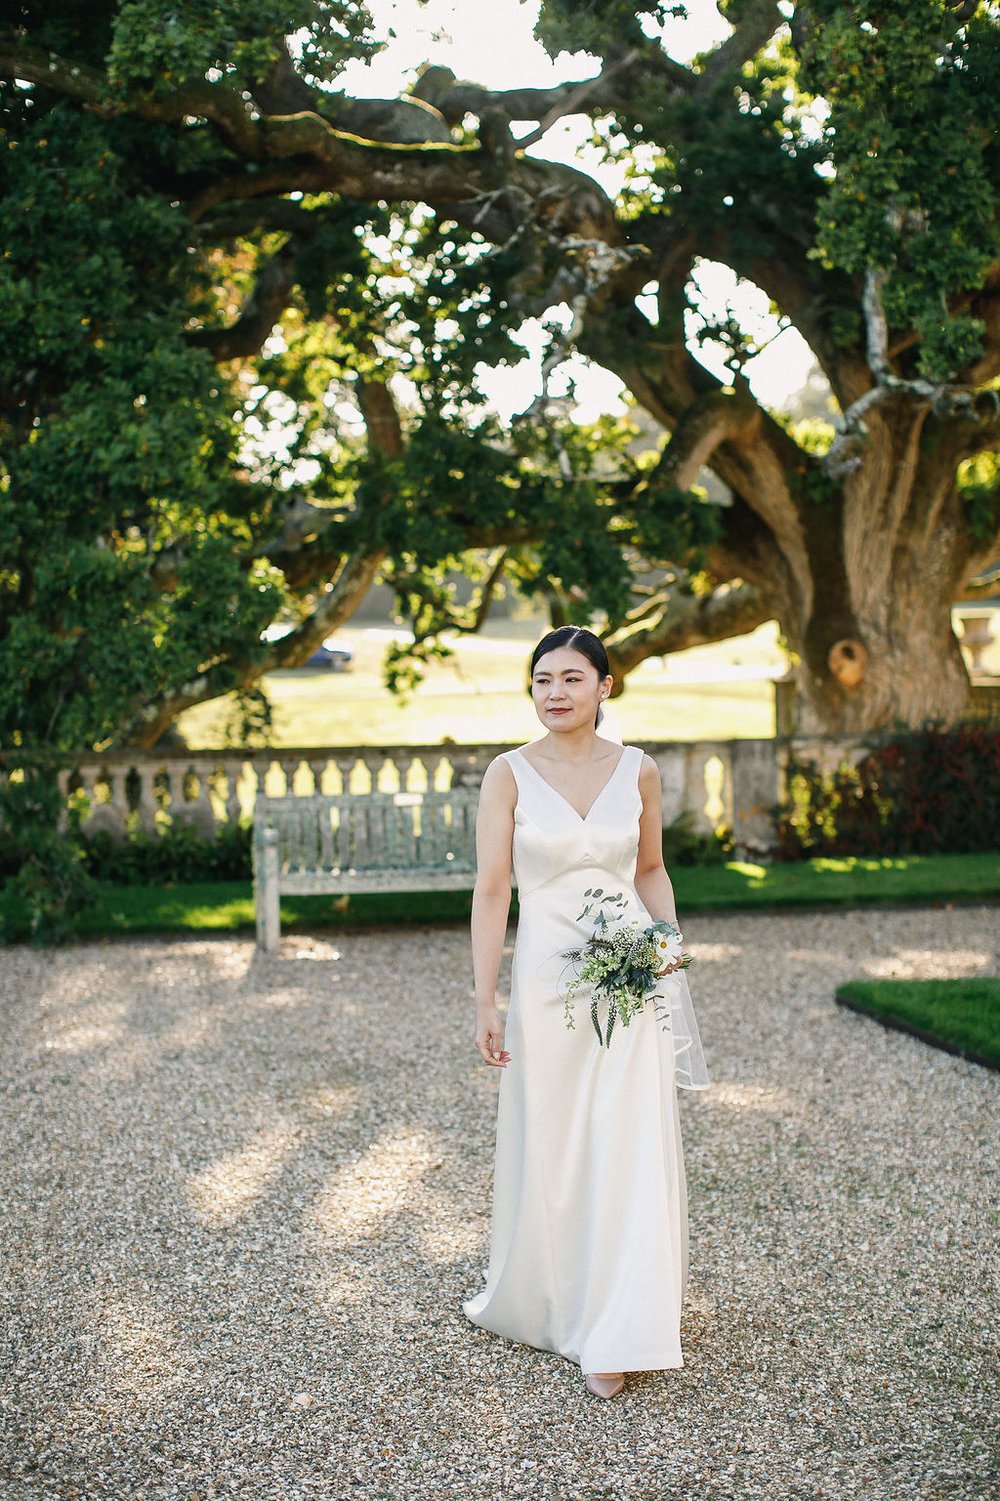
[{"x": 243, "y": 1200}]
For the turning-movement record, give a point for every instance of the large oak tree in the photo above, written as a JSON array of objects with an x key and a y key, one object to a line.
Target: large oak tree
[{"x": 183, "y": 181}]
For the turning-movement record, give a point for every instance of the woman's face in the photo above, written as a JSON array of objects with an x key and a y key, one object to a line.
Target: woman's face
[{"x": 566, "y": 689}]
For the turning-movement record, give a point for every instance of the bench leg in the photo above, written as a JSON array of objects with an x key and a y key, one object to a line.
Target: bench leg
[{"x": 267, "y": 897}]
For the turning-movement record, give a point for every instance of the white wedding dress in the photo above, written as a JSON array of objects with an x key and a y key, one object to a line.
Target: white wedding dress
[{"x": 588, "y": 1253}]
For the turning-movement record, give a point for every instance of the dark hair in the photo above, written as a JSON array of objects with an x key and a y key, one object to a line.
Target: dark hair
[{"x": 578, "y": 638}]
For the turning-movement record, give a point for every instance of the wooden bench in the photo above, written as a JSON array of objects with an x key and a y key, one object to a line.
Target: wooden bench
[{"x": 380, "y": 841}]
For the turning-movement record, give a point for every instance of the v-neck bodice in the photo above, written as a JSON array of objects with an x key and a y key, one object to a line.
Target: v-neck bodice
[
  {"x": 562, "y": 797},
  {"x": 554, "y": 842}
]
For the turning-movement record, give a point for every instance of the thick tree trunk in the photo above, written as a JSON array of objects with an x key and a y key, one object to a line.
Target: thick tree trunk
[
  {"x": 901, "y": 669},
  {"x": 861, "y": 569},
  {"x": 887, "y": 555}
]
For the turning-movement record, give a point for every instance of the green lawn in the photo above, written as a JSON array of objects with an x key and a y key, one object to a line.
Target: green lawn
[
  {"x": 963, "y": 1016},
  {"x": 839, "y": 883},
  {"x": 479, "y": 696},
  {"x": 227, "y": 906}
]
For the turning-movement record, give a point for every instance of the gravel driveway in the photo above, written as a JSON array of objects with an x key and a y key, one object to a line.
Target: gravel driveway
[{"x": 244, "y": 1198}]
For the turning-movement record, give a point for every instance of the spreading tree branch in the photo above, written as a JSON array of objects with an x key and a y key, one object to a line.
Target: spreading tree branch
[
  {"x": 732, "y": 609},
  {"x": 350, "y": 587},
  {"x": 985, "y": 586},
  {"x": 583, "y": 94},
  {"x": 754, "y": 23},
  {"x": 261, "y": 311},
  {"x": 455, "y": 99},
  {"x": 303, "y": 151}
]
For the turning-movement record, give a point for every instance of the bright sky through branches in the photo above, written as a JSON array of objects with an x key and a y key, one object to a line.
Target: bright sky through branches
[{"x": 491, "y": 42}]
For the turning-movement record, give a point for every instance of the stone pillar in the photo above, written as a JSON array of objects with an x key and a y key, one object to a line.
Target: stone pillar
[{"x": 755, "y": 796}]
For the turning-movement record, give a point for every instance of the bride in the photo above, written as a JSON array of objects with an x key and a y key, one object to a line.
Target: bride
[{"x": 589, "y": 1242}]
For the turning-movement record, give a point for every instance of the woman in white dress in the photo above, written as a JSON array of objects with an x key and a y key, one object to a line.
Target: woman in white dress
[{"x": 588, "y": 1252}]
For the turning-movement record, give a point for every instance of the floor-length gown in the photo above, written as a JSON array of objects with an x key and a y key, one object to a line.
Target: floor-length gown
[{"x": 589, "y": 1251}]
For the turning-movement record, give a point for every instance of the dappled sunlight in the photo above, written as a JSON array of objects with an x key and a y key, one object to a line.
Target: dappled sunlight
[
  {"x": 931, "y": 963},
  {"x": 138, "y": 1356},
  {"x": 715, "y": 953},
  {"x": 175, "y": 964},
  {"x": 315, "y": 949},
  {"x": 750, "y": 1099},
  {"x": 442, "y": 1235},
  {"x": 328, "y": 1100},
  {"x": 236, "y": 960},
  {"x": 361, "y": 1195},
  {"x": 83, "y": 1037},
  {"x": 749, "y": 868},
  {"x": 225, "y": 1191},
  {"x": 351, "y": 1287},
  {"x": 826, "y": 955},
  {"x": 843, "y": 863},
  {"x": 194, "y": 1031},
  {"x": 294, "y": 1000}
]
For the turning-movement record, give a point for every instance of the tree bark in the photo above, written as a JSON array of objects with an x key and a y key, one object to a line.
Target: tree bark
[{"x": 870, "y": 618}]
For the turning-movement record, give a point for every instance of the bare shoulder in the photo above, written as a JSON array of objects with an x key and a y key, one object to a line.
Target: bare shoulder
[
  {"x": 650, "y": 786},
  {"x": 498, "y": 782},
  {"x": 649, "y": 771}
]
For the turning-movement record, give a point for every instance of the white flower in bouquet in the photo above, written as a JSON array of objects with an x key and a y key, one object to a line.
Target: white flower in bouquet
[
  {"x": 669, "y": 942},
  {"x": 622, "y": 962}
]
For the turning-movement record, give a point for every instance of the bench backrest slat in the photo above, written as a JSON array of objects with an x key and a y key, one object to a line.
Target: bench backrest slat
[{"x": 390, "y": 831}]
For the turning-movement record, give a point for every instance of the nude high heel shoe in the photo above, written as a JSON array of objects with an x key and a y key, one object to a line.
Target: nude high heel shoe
[{"x": 606, "y": 1383}]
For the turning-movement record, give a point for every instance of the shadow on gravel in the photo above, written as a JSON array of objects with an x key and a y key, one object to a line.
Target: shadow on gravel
[{"x": 246, "y": 1197}]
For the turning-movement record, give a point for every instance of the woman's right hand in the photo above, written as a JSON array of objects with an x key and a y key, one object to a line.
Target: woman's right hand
[{"x": 489, "y": 1037}]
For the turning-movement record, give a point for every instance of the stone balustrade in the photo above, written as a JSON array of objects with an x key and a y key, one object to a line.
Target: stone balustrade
[{"x": 734, "y": 783}]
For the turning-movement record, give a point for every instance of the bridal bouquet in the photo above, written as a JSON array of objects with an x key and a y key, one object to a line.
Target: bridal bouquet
[{"x": 622, "y": 961}]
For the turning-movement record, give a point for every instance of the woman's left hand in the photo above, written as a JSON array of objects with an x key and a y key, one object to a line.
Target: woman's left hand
[{"x": 670, "y": 969}]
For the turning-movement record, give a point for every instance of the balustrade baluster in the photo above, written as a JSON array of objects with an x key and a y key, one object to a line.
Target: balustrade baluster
[
  {"x": 372, "y": 765},
  {"x": 344, "y": 765},
  {"x": 289, "y": 767},
  {"x": 715, "y": 779},
  {"x": 118, "y": 805},
  {"x": 198, "y": 810},
  {"x": 344, "y": 846},
  {"x": 146, "y": 805},
  {"x": 401, "y": 763},
  {"x": 326, "y": 839},
  {"x": 429, "y": 761},
  {"x": 63, "y": 779},
  {"x": 175, "y": 793},
  {"x": 695, "y": 791},
  {"x": 232, "y": 771},
  {"x": 363, "y": 841},
  {"x": 317, "y": 769}
]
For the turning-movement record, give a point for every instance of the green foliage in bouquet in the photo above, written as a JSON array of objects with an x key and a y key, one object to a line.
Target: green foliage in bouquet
[{"x": 621, "y": 962}]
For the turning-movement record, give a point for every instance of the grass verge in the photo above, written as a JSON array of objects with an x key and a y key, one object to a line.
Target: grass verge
[
  {"x": 227, "y": 906},
  {"x": 847, "y": 882},
  {"x": 961, "y": 1016}
]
